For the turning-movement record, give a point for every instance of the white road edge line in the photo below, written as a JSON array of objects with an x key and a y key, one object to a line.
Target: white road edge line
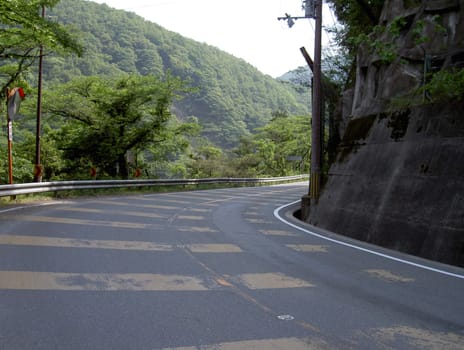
[{"x": 277, "y": 215}]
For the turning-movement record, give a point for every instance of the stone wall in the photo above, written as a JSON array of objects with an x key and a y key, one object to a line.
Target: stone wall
[{"x": 398, "y": 179}]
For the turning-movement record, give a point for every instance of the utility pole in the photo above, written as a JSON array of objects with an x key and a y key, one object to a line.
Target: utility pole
[
  {"x": 313, "y": 10},
  {"x": 316, "y": 147},
  {"x": 38, "y": 167}
]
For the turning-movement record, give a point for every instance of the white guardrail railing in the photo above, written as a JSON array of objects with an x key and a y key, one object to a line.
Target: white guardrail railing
[{"x": 38, "y": 187}]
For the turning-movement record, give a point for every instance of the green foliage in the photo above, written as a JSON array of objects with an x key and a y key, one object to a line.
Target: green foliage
[
  {"x": 445, "y": 86},
  {"x": 280, "y": 148},
  {"x": 233, "y": 97},
  {"x": 381, "y": 40},
  {"x": 106, "y": 118},
  {"x": 107, "y": 110},
  {"x": 170, "y": 158},
  {"x": 23, "y": 31},
  {"x": 22, "y": 165},
  {"x": 357, "y": 19},
  {"x": 208, "y": 161}
]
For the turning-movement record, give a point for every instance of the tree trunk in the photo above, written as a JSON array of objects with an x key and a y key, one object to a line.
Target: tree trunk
[{"x": 123, "y": 169}]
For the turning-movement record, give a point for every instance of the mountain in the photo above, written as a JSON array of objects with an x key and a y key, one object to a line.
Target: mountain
[{"x": 232, "y": 97}]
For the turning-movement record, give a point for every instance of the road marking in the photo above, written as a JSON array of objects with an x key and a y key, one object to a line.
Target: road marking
[
  {"x": 136, "y": 205},
  {"x": 308, "y": 248},
  {"x": 258, "y": 221},
  {"x": 33, "y": 280},
  {"x": 277, "y": 233},
  {"x": 265, "y": 344},
  {"x": 204, "y": 229},
  {"x": 29, "y": 280},
  {"x": 168, "y": 200},
  {"x": 70, "y": 221},
  {"x": 82, "y": 243},
  {"x": 190, "y": 217},
  {"x": 286, "y": 317},
  {"x": 222, "y": 282},
  {"x": 389, "y": 276},
  {"x": 33, "y": 206},
  {"x": 213, "y": 248},
  {"x": 419, "y": 338},
  {"x": 215, "y": 202},
  {"x": 115, "y": 212},
  {"x": 369, "y": 251},
  {"x": 198, "y": 210},
  {"x": 271, "y": 281},
  {"x": 195, "y": 197},
  {"x": 41, "y": 241}
]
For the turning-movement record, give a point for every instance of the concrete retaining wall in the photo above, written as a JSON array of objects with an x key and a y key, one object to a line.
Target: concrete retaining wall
[{"x": 399, "y": 182}]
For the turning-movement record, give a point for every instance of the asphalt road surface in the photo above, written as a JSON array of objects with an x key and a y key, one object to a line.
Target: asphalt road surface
[{"x": 214, "y": 269}]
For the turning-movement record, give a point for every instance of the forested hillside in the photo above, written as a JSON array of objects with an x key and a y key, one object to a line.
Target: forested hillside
[{"x": 231, "y": 98}]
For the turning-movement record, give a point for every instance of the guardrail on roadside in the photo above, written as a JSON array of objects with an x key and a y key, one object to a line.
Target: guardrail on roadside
[{"x": 38, "y": 187}]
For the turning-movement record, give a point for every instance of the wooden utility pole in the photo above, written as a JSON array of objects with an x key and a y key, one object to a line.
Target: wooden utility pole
[
  {"x": 316, "y": 147},
  {"x": 313, "y": 10},
  {"x": 38, "y": 167}
]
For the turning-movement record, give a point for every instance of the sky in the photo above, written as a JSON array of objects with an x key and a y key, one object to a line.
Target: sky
[{"x": 247, "y": 29}]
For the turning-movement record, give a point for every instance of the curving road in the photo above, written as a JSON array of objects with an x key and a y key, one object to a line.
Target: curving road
[{"x": 214, "y": 269}]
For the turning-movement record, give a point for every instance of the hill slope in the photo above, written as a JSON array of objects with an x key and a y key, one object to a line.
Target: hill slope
[{"x": 233, "y": 97}]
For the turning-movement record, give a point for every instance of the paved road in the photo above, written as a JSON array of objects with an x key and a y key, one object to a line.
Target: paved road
[{"x": 213, "y": 269}]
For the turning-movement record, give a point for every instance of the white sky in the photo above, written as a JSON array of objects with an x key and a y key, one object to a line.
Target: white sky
[{"x": 247, "y": 29}]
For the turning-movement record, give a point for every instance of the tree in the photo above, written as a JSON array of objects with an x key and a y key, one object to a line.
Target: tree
[
  {"x": 280, "y": 148},
  {"x": 208, "y": 161},
  {"x": 23, "y": 31},
  {"x": 106, "y": 118},
  {"x": 357, "y": 18}
]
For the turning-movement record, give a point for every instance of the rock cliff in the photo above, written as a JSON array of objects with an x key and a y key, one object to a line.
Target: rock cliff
[{"x": 398, "y": 179}]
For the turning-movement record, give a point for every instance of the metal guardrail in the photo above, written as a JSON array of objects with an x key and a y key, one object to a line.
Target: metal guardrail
[{"x": 39, "y": 187}]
